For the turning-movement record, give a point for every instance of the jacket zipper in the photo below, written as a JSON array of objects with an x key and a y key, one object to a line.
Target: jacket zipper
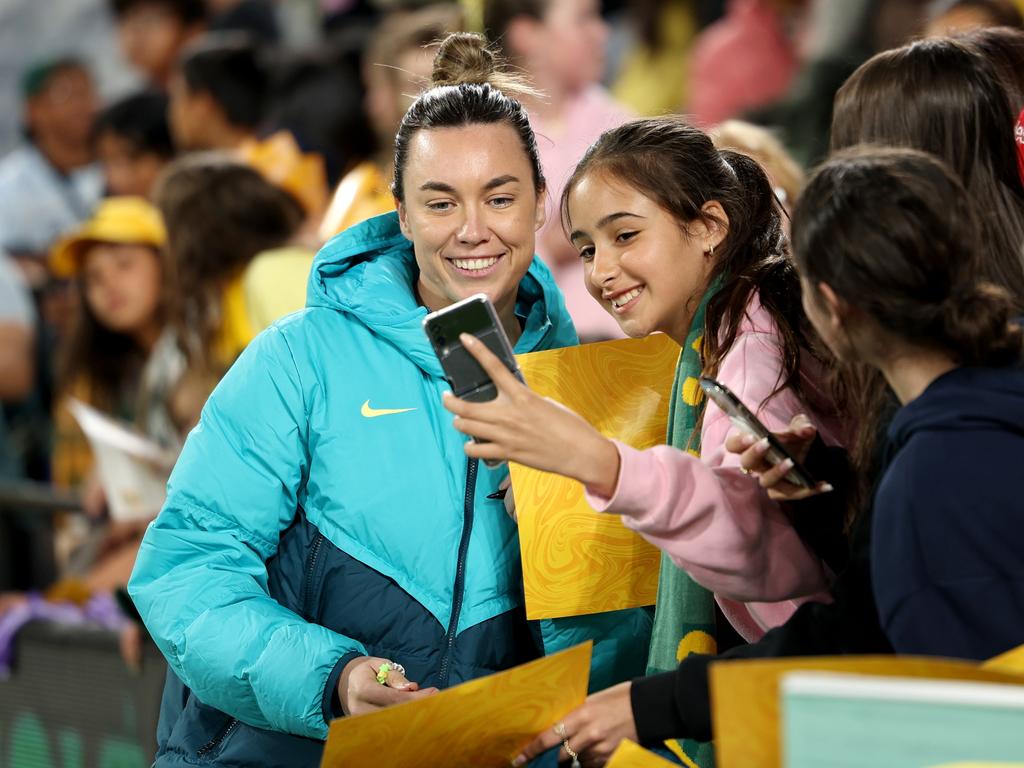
[
  {"x": 314, "y": 555},
  {"x": 218, "y": 740},
  {"x": 460, "y": 573}
]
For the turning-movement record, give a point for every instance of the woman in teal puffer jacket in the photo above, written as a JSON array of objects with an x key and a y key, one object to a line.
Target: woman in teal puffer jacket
[{"x": 323, "y": 517}]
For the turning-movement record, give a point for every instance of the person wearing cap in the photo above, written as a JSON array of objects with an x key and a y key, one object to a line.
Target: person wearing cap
[
  {"x": 49, "y": 183},
  {"x": 119, "y": 360},
  {"x": 117, "y": 357}
]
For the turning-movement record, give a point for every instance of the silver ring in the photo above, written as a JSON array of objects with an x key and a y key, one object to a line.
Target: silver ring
[{"x": 397, "y": 667}]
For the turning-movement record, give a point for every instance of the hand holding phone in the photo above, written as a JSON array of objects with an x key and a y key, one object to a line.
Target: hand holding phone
[
  {"x": 477, "y": 317},
  {"x": 746, "y": 421},
  {"x": 506, "y": 419}
]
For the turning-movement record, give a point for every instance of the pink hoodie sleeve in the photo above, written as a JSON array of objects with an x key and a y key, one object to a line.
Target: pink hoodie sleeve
[{"x": 714, "y": 521}]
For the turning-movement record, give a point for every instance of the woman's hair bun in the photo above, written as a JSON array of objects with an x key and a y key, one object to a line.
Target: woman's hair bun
[
  {"x": 464, "y": 58},
  {"x": 979, "y": 324}
]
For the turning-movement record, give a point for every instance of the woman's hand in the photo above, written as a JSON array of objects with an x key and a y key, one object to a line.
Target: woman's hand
[
  {"x": 359, "y": 691},
  {"x": 797, "y": 439},
  {"x": 520, "y": 425},
  {"x": 593, "y": 731}
]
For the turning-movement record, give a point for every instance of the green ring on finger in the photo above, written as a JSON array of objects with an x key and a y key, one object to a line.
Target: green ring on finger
[{"x": 386, "y": 668}]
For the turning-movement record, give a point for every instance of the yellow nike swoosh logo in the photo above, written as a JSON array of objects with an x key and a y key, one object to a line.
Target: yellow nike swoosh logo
[{"x": 372, "y": 413}]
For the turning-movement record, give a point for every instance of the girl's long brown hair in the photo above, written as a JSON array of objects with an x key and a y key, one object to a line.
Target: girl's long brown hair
[{"x": 219, "y": 213}]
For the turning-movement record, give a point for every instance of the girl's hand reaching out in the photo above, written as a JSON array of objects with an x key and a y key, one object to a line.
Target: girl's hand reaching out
[{"x": 521, "y": 426}]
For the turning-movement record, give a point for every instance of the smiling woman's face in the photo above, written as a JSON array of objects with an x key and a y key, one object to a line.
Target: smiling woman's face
[{"x": 471, "y": 212}]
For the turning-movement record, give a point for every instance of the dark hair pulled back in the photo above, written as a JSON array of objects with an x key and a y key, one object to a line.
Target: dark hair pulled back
[
  {"x": 469, "y": 87},
  {"x": 677, "y": 166},
  {"x": 895, "y": 233}
]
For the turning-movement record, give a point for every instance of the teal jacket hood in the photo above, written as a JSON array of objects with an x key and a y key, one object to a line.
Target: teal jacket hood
[{"x": 369, "y": 270}]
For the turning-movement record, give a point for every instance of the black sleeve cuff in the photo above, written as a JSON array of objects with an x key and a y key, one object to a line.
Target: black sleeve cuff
[
  {"x": 331, "y": 701},
  {"x": 673, "y": 705},
  {"x": 821, "y": 520},
  {"x": 654, "y": 712}
]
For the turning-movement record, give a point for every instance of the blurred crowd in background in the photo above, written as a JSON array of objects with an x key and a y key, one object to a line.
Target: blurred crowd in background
[{"x": 170, "y": 167}]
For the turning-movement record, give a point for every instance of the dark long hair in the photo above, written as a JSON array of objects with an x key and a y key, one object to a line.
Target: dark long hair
[
  {"x": 469, "y": 88},
  {"x": 895, "y": 233},
  {"x": 942, "y": 97},
  {"x": 677, "y": 166},
  {"x": 1003, "y": 48}
]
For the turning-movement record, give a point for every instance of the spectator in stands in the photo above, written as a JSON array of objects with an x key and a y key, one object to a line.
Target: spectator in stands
[
  {"x": 396, "y": 67},
  {"x": 218, "y": 92},
  {"x": 650, "y": 54},
  {"x": 560, "y": 45},
  {"x": 786, "y": 176},
  {"x": 133, "y": 142},
  {"x": 258, "y": 18},
  {"x": 111, "y": 361},
  {"x": 948, "y": 16},
  {"x": 50, "y": 183},
  {"x": 17, "y": 352},
  {"x": 230, "y": 237},
  {"x": 116, "y": 264},
  {"x": 153, "y": 33},
  {"x": 756, "y": 39},
  {"x": 889, "y": 246},
  {"x": 318, "y": 97}
]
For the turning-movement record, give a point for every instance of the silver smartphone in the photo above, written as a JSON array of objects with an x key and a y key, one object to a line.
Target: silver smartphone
[
  {"x": 743, "y": 418},
  {"x": 477, "y": 317}
]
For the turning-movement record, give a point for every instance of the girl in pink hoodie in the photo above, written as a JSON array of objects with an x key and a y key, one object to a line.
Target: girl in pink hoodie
[{"x": 680, "y": 238}]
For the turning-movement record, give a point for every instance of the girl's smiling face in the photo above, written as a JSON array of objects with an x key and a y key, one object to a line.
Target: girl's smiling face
[
  {"x": 122, "y": 286},
  {"x": 645, "y": 267}
]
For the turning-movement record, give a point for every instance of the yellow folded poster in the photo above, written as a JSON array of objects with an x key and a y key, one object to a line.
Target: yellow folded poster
[
  {"x": 630, "y": 755},
  {"x": 745, "y": 695},
  {"x": 576, "y": 561},
  {"x": 481, "y": 723}
]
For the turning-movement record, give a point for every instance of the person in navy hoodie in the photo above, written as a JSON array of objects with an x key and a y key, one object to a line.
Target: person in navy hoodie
[{"x": 888, "y": 244}]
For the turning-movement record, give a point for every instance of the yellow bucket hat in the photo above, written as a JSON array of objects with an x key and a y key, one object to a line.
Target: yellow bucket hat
[{"x": 116, "y": 220}]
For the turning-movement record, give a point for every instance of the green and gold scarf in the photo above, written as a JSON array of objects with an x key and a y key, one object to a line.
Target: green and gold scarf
[{"x": 684, "y": 614}]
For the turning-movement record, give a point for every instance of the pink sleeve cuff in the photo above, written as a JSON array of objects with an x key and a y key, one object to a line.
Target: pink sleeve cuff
[{"x": 631, "y": 492}]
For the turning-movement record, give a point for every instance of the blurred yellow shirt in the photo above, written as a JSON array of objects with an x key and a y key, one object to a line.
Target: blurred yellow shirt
[
  {"x": 363, "y": 193},
  {"x": 270, "y": 287}
]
